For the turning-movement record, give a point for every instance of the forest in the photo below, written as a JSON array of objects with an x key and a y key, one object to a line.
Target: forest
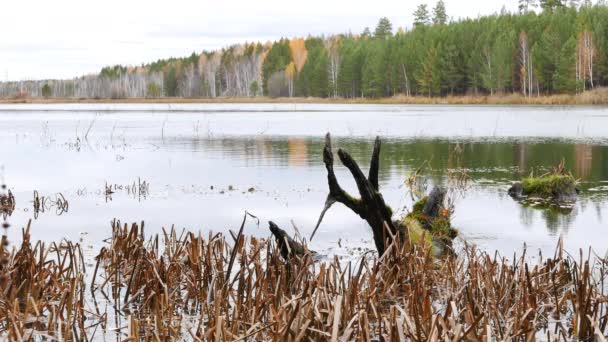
[{"x": 549, "y": 48}]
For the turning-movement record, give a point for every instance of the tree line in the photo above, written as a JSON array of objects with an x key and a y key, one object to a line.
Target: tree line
[{"x": 550, "y": 47}]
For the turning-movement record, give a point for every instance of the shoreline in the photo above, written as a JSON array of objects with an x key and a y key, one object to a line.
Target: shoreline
[{"x": 596, "y": 97}]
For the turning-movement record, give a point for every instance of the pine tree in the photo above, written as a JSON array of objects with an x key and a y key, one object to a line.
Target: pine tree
[
  {"x": 312, "y": 79},
  {"x": 504, "y": 49},
  {"x": 526, "y": 5},
  {"x": 421, "y": 16},
  {"x": 374, "y": 71},
  {"x": 384, "y": 29},
  {"x": 429, "y": 79},
  {"x": 277, "y": 59},
  {"x": 320, "y": 80},
  {"x": 349, "y": 77},
  {"x": 564, "y": 79},
  {"x": 171, "y": 82},
  {"x": 545, "y": 58},
  {"x": 440, "y": 16},
  {"x": 366, "y": 33},
  {"x": 46, "y": 90},
  {"x": 254, "y": 88},
  {"x": 600, "y": 31},
  {"x": 551, "y": 5},
  {"x": 450, "y": 64}
]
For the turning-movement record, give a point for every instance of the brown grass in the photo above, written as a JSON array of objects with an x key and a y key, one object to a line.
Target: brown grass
[
  {"x": 41, "y": 290},
  {"x": 177, "y": 286},
  {"x": 597, "y": 96}
]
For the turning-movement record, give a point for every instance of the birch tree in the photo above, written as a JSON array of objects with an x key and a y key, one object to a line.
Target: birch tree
[
  {"x": 586, "y": 59},
  {"x": 525, "y": 65}
]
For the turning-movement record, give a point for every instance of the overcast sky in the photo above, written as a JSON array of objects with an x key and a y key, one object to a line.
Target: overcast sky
[{"x": 66, "y": 38}]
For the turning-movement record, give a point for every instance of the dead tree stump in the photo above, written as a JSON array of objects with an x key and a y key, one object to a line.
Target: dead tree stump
[
  {"x": 370, "y": 206},
  {"x": 288, "y": 246},
  {"x": 434, "y": 203}
]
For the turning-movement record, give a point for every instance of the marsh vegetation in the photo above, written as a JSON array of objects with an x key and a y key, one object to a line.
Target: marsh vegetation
[
  {"x": 204, "y": 287},
  {"x": 229, "y": 278}
]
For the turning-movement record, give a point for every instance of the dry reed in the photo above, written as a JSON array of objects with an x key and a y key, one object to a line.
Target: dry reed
[{"x": 179, "y": 285}]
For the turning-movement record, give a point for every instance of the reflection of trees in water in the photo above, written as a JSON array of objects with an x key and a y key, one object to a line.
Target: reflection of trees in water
[
  {"x": 522, "y": 156},
  {"x": 598, "y": 210},
  {"x": 557, "y": 221},
  {"x": 298, "y": 152},
  {"x": 526, "y": 216},
  {"x": 598, "y": 202},
  {"x": 487, "y": 159},
  {"x": 583, "y": 157}
]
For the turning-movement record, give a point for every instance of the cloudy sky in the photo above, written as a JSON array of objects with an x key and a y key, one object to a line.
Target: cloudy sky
[{"x": 66, "y": 38}]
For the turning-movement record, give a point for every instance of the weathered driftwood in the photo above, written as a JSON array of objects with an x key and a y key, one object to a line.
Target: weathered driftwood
[
  {"x": 370, "y": 206},
  {"x": 289, "y": 247}
]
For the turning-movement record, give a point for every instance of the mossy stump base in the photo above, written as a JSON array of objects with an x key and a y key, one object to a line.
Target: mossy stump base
[
  {"x": 371, "y": 207},
  {"x": 429, "y": 221}
]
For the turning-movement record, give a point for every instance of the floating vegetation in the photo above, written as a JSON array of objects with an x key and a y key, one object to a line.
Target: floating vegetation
[
  {"x": 138, "y": 189},
  {"x": 548, "y": 185},
  {"x": 43, "y": 204},
  {"x": 182, "y": 285},
  {"x": 554, "y": 189}
]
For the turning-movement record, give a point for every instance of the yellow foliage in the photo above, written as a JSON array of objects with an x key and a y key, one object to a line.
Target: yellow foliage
[
  {"x": 298, "y": 52},
  {"x": 290, "y": 71}
]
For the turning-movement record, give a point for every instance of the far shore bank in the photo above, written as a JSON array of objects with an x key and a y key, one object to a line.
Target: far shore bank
[{"x": 594, "y": 97}]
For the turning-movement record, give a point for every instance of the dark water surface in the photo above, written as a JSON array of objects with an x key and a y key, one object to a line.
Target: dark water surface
[{"x": 177, "y": 164}]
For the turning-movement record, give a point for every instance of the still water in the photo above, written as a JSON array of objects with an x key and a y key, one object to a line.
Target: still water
[{"x": 200, "y": 167}]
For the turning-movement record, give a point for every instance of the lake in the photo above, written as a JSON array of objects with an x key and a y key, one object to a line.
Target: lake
[{"x": 201, "y": 166}]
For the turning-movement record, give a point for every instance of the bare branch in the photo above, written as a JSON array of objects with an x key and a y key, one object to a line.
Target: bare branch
[
  {"x": 375, "y": 164},
  {"x": 328, "y": 203},
  {"x": 371, "y": 207},
  {"x": 362, "y": 182}
]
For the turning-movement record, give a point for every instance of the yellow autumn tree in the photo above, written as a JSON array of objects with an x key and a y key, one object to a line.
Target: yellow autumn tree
[{"x": 298, "y": 52}]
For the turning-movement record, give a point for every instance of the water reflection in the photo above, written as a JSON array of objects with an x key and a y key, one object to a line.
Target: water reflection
[
  {"x": 298, "y": 152},
  {"x": 7, "y": 203},
  {"x": 495, "y": 160},
  {"x": 493, "y": 164},
  {"x": 193, "y": 159},
  {"x": 583, "y": 156},
  {"x": 56, "y": 203}
]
